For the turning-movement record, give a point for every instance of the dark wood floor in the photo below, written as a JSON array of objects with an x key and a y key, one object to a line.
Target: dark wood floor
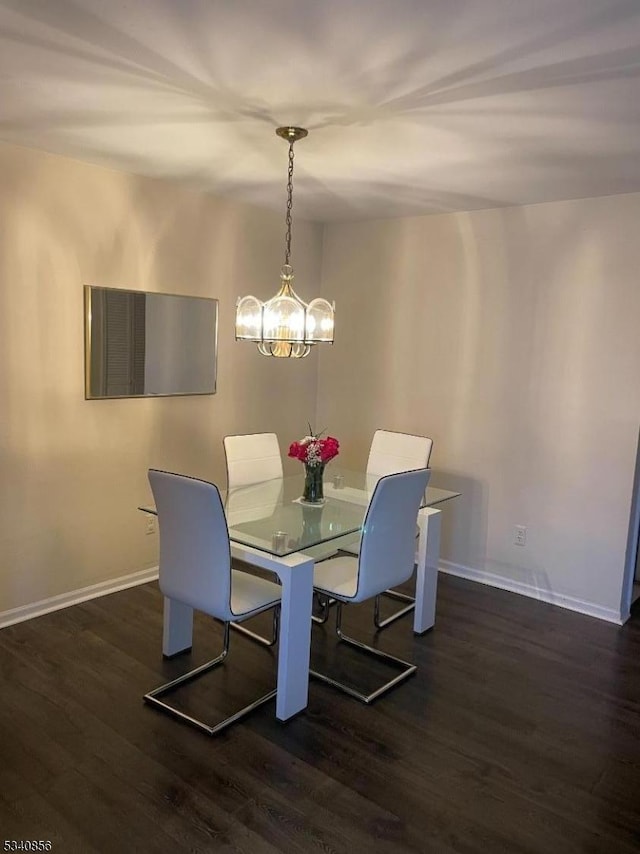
[{"x": 519, "y": 733}]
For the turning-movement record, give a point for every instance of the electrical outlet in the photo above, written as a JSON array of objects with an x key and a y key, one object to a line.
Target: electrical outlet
[
  {"x": 520, "y": 535},
  {"x": 151, "y": 524}
]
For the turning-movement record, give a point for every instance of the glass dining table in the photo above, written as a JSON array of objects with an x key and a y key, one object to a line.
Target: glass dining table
[{"x": 271, "y": 527}]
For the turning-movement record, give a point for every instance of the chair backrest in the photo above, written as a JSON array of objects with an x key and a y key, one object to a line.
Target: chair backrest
[
  {"x": 256, "y": 501},
  {"x": 252, "y": 458},
  {"x": 195, "y": 556},
  {"x": 394, "y": 452},
  {"x": 387, "y": 548}
]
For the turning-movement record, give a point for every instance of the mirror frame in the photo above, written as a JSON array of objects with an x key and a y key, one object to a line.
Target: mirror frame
[{"x": 88, "y": 291}]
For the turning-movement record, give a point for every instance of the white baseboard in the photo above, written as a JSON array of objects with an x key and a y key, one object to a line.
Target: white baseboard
[
  {"x": 492, "y": 580},
  {"x": 65, "y": 600},
  {"x": 74, "y": 597}
]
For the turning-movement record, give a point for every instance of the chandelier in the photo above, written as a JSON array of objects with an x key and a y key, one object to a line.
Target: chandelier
[{"x": 285, "y": 326}]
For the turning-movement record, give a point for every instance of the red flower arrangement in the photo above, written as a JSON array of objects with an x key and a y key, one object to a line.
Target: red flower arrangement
[{"x": 314, "y": 451}]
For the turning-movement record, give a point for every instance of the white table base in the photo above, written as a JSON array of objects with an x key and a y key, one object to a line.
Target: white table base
[{"x": 428, "y": 558}]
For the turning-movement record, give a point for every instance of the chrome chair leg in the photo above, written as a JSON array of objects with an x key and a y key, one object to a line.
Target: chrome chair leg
[
  {"x": 238, "y": 627},
  {"x": 325, "y": 602},
  {"x": 408, "y": 669},
  {"x": 392, "y": 594},
  {"x": 153, "y": 697}
]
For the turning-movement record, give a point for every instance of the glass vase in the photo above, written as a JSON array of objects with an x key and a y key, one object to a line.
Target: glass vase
[{"x": 313, "y": 484}]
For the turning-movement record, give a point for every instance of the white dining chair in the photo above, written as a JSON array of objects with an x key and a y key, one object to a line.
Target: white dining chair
[
  {"x": 385, "y": 559},
  {"x": 392, "y": 452},
  {"x": 252, "y": 459},
  {"x": 195, "y": 569}
]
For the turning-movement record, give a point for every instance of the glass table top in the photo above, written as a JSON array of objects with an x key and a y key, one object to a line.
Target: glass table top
[{"x": 271, "y": 516}]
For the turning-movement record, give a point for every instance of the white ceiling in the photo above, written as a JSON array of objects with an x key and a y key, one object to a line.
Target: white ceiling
[{"x": 413, "y": 106}]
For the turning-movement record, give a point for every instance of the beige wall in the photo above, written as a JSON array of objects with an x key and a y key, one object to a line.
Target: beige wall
[
  {"x": 73, "y": 471},
  {"x": 512, "y": 338}
]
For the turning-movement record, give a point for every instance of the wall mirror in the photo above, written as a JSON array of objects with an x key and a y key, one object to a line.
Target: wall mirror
[{"x": 140, "y": 344}]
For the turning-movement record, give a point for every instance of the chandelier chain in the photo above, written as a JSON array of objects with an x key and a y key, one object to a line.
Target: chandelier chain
[{"x": 289, "y": 204}]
